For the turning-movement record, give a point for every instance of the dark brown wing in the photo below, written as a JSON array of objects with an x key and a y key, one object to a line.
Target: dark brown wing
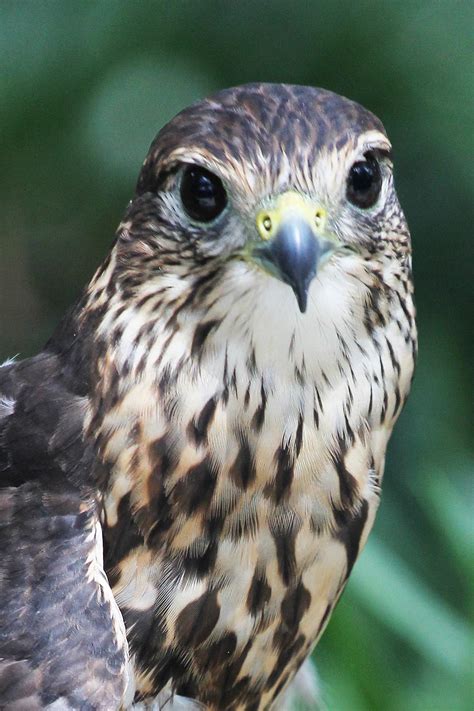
[{"x": 62, "y": 640}]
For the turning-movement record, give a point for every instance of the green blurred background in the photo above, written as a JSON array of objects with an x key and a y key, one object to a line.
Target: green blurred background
[{"x": 84, "y": 88}]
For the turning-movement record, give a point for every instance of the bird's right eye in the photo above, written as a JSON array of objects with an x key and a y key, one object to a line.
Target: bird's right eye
[{"x": 202, "y": 193}]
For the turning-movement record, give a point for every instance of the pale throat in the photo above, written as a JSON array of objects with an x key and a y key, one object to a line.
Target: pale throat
[{"x": 257, "y": 339}]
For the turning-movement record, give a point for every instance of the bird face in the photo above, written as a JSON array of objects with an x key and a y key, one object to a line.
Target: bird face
[{"x": 281, "y": 179}]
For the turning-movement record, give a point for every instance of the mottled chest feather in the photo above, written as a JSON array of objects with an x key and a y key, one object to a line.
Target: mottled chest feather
[{"x": 243, "y": 482}]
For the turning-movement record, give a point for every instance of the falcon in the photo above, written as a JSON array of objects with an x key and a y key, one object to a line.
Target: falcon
[{"x": 192, "y": 464}]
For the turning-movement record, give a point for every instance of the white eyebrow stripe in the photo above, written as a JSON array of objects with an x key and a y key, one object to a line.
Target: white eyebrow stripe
[{"x": 373, "y": 140}]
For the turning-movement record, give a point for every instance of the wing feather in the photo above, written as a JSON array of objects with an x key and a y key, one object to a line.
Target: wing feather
[{"x": 62, "y": 637}]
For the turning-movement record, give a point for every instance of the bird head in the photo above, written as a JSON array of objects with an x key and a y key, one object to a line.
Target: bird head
[
  {"x": 281, "y": 178},
  {"x": 277, "y": 198}
]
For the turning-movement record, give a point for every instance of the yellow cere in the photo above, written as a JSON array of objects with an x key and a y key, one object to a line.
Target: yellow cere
[{"x": 286, "y": 206}]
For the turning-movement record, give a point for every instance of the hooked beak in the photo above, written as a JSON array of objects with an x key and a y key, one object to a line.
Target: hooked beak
[{"x": 291, "y": 247}]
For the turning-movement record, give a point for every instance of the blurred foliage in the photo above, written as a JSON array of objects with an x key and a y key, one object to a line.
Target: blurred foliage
[{"x": 86, "y": 85}]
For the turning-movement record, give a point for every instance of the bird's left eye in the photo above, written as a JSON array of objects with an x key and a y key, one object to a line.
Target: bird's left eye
[
  {"x": 364, "y": 182},
  {"x": 202, "y": 193}
]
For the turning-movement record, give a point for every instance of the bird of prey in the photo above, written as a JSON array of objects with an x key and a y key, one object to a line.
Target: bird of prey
[{"x": 192, "y": 464}]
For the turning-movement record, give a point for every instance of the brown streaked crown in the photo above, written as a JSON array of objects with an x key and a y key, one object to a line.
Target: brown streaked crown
[{"x": 237, "y": 123}]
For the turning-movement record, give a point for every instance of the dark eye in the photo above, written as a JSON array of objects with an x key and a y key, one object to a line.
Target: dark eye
[
  {"x": 364, "y": 182},
  {"x": 202, "y": 194}
]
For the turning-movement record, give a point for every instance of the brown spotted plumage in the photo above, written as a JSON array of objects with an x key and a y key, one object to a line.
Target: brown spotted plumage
[{"x": 227, "y": 383}]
